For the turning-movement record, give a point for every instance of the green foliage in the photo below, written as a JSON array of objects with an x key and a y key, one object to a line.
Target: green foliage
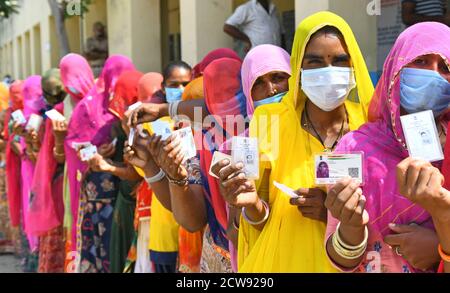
[{"x": 8, "y": 7}]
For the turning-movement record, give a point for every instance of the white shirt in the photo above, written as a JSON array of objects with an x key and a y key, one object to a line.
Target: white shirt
[{"x": 261, "y": 27}]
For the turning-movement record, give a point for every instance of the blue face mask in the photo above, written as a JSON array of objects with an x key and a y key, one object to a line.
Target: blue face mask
[
  {"x": 422, "y": 90},
  {"x": 271, "y": 100},
  {"x": 173, "y": 94}
]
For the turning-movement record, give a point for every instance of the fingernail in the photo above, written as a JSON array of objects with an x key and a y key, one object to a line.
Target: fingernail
[
  {"x": 226, "y": 162},
  {"x": 302, "y": 200},
  {"x": 239, "y": 165},
  {"x": 392, "y": 226}
]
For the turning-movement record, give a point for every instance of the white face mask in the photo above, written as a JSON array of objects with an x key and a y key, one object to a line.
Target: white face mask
[{"x": 328, "y": 87}]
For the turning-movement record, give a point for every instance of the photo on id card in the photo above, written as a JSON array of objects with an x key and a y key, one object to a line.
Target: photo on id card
[
  {"x": 330, "y": 168},
  {"x": 421, "y": 136}
]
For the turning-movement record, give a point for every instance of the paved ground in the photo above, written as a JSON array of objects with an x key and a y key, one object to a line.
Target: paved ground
[{"x": 9, "y": 264}]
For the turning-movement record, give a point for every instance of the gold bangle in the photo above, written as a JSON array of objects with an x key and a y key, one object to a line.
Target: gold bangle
[
  {"x": 58, "y": 154},
  {"x": 350, "y": 247},
  {"x": 347, "y": 251},
  {"x": 445, "y": 257}
]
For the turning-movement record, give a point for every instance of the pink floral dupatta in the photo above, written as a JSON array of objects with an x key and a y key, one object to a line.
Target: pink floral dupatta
[
  {"x": 91, "y": 121},
  {"x": 33, "y": 104},
  {"x": 382, "y": 139}
]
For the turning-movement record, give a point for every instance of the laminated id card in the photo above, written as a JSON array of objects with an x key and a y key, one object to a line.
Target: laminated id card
[
  {"x": 34, "y": 123},
  {"x": 161, "y": 128},
  {"x": 80, "y": 145},
  {"x": 55, "y": 115},
  {"x": 187, "y": 143},
  {"x": 88, "y": 153},
  {"x": 131, "y": 136},
  {"x": 134, "y": 106},
  {"x": 218, "y": 157},
  {"x": 422, "y": 137},
  {"x": 330, "y": 168},
  {"x": 18, "y": 117},
  {"x": 245, "y": 150}
]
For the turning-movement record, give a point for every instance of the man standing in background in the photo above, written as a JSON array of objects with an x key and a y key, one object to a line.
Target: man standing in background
[
  {"x": 96, "y": 51},
  {"x": 255, "y": 23}
]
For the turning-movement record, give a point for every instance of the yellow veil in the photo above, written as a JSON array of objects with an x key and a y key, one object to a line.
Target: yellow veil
[
  {"x": 163, "y": 228},
  {"x": 289, "y": 242},
  {"x": 4, "y": 97}
]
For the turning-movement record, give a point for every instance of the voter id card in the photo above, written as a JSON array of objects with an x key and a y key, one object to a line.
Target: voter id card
[
  {"x": 218, "y": 157},
  {"x": 18, "y": 117},
  {"x": 131, "y": 136},
  {"x": 422, "y": 137},
  {"x": 88, "y": 153},
  {"x": 161, "y": 128},
  {"x": 330, "y": 168},
  {"x": 80, "y": 145},
  {"x": 55, "y": 115},
  {"x": 245, "y": 150},
  {"x": 187, "y": 143},
  {"x": 34, "y": 123},
  {"x": 134, "y": 106}
]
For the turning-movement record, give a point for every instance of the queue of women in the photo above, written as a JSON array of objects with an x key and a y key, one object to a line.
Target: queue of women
[{"x": 139, "y": 205}]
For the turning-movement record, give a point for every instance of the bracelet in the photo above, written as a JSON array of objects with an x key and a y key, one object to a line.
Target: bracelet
[
  {"x": 173, "y": 109},
  {"x": 180, "y": 183},
  {"x": 235, "y": 225},
  {"x": 445, "y": 257},
  {"x": 267, "y": 208},
  {"x": 58, "y": 154},
  {"x": 347, "y": 251},
  {"x": 350, "y": 247},
  {"x": 344, "y": 253},
  {"x": 158, "y": 177}
]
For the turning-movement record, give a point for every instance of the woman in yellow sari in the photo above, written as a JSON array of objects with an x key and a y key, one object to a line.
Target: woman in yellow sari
[{"x": 288, "y": 235}]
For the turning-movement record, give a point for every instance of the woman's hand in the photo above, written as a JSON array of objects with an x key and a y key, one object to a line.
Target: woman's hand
[
  {"x": 34, "y": 140},
  {"x": 18, "y": 129},
  {"x": 421, "y": 183},
  {"x": 346, "y": 203},
  {"x": 311, "y": 203},
  {"x": 415, "y": 244},
  {"x": 155, "y": 143},
  {"x": 59, "y": 130},
  {"x": 236, "y": 190},
  {"x": 170, "y": 158},
  {"x": 147, "y": 112},
  {"x": 99, "y": 164},
  {"x": 107, "y": 150},
  {"x": 136, "y": 155}
]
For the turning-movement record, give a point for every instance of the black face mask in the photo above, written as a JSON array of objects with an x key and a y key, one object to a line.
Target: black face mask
[{"x": 54, "y": 99}]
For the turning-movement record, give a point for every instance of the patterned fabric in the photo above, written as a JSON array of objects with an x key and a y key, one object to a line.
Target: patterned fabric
[
  {"x": 52, "y": 251},
  {"x": 100, "y": 191},
  {"x": 29, "y": 259},
  {"x": 190, "y": 244},
  {"x": 214, "y": 258},
  {"x": 6, "y": 237},
  {"x": 130, "y": 262}
]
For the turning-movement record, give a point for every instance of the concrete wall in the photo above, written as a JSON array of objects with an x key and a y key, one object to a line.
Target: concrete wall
[
  {"x": 355, "y": 13},
  {"x": 140, "y": 29},
  {"x": 134, "y": 30}
]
